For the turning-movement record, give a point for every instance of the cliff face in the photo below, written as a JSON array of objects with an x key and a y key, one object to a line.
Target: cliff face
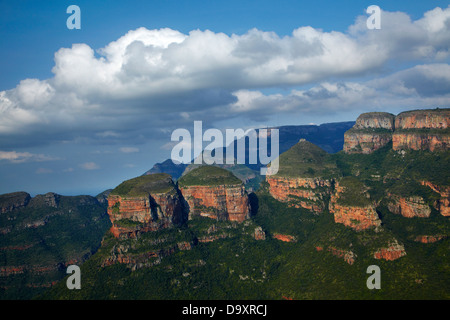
[
  {"x": 416, "y": 130},
  {"x": 223, "y": 202},
  {"x": 371, "y": 131},
  {"x": 409, "y": 207},
  {"x": 358, "y": 217},
  {"x": 443, "y": 204},
  {"x": 393, "y": 251},
  {"x": 153, "y": 212},
  {"x": 306, "y": 193},
  {"x": 420, "y": 119},
  {"x": 143, "y": 204}
]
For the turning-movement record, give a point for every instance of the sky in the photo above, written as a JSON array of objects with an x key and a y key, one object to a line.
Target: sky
[{"x": 82, "y": 110}]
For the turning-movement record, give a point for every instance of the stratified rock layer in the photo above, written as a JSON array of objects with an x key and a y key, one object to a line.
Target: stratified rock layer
[
  {"x": 143, "y": 204},
  {"x": 356, "y": 217},
  {"x": 308, "y": 193},
  {"x": 414, "y": 130},
  {"x": 223, "y": 202},
  {"x": 409, "y": 207}
]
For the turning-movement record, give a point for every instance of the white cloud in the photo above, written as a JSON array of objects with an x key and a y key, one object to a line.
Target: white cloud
[
  {"x": 89, "y": 166},
  {"x": 148, "y": 80},
  {"x": 20, "y": 157}
]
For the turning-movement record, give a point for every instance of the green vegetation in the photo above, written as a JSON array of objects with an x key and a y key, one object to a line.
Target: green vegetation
[
  {"x": 306, "y": 160},
  {"x": 145, "y": 185},
  {"x": 210, "y": 176},
  {"x": 42, "y": 238},
  {"x": 355, "y": 192}
]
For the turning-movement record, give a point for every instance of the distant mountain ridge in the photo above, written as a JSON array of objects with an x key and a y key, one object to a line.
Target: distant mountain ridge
[{"x": 328, "y": 136}]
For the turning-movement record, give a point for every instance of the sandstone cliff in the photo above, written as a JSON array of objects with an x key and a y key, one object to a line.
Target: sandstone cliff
[
  {"x": 352, "y": 207},
  {"x": 305, "y": 177},
  {"x": 145, "y": 203},
  {"x": 308, "y": 193},
  {"x": 415, "y": 130},
  {"x": 215, "y": 193},
  {"x": 409, "y": 207},
  {"x": 371, "y": 131}
]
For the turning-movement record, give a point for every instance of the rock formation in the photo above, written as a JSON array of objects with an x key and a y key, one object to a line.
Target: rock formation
[
  {"x": 308, "y": 193},
  {"x": 393, "y": 251},
  {"x": 409, "y": 207},
  {"x": 305, "y": 177},
  {"x": 145, "y": 203},
  {"x": 11, "y": 201},
  {"x": 215, "y": 193},
  {"x": 415, "y": 130},
  {"x": 371, "y": 131},
  {"x": 443, "y": 204},
  {"x": 352, "y": 207}
]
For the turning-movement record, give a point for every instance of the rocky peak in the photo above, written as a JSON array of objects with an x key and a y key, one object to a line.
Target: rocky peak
[
  {"x": 146, "y": 203},
  {"x": 216, "y": 193},
  {"x": 11, "y": 201},
  {"x": 375, "y": 120},
  {"x": 416, "y": 130}
]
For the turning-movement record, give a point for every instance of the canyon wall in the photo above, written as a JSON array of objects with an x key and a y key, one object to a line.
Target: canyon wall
[
  {"x": 415, "y": 130},
  {"x": 221, "y": 202},
  {"x": 308, "y": 193}
]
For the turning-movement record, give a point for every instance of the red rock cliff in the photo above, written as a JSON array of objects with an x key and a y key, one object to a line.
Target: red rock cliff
[
  {"x": 225, "y": 202},
  {"x": 356, "y": 217},
  {"x": 306, "y": 193},
  {"x": 371, "y": 131},
  {"x": 422, "y": 130},
  {"x": 443, "y": 204},
  {"x": 416, "y": 130},
  {"x": 409, "y": 207}
]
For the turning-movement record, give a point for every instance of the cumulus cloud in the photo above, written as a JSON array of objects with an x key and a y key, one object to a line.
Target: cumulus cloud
[
  {"x": 149, "y": 81},
  {"x": 20, "y": 157}
]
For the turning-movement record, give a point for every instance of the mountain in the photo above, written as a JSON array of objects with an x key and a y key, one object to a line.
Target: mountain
[
  {"x": 312, "y": 231},
  {"x": 214, "y": 192},
  {"x": 40, "y": 236},
  {"x": 328, "y": 136},
  {"x": 415, "y": 129},
  {"x": 169, "y": 167}
]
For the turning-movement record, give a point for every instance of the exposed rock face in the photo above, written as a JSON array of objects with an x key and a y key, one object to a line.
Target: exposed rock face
[
  {"x": 356, "y": 217},
  {"x": 430, "y": 238},
  {"x": 259, "y": 234},
  {"x": 371, "y": 131},
  {"x": 394, "y": 251},
  {"x": 361, "y": 142},
  {"x": 222, "y": 202},
  {"x": 420, "y": 119},
  {"x": 49, "y": 199},
  {"x": 443, "y": 204},
  {"x": 284, "y": 237},
  {"x": 150, "y": 203},
  {"x": 348, "y": 255},
  {"x": 11, "y": 201},
  {"x": 306, "y": 193},
  {"x": 409, "y": 207},
  {"x": 420, "y": 141},
  {"x": 375, "y": 120},
  {"x": 415, "y": 130}
]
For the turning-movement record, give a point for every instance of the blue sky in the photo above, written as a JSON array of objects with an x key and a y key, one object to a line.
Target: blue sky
[{"x": 83, "y": 110}]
